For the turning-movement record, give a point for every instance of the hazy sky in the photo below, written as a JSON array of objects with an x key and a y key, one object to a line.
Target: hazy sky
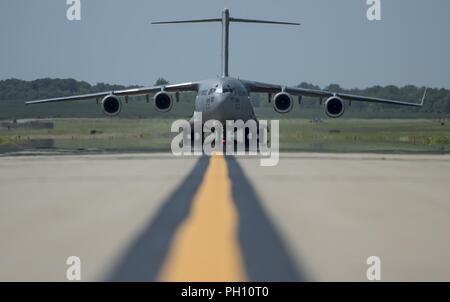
[{"x": 115, "y": 43}]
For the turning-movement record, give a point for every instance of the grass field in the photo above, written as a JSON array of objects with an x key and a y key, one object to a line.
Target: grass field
[{"x": 147, "y": 135}]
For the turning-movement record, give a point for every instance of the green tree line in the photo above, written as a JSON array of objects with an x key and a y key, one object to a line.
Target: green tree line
[{"x": 13, "y": 92}]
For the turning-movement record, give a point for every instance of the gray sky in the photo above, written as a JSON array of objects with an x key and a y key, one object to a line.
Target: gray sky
[{"x": 115, "y": 43}]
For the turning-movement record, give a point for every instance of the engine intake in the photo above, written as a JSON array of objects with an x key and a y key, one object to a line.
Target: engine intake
[
  {"x": 162, "y": 102},
  {"x": 282, "y": 102},
  {"x": 334, "y": 107},
  {"x": 111, "y": 105}
]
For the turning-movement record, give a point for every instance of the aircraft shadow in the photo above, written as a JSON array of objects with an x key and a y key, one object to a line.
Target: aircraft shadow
[
  {"x": 144, "y": 258},
  {"x": 265, "y": 255}
]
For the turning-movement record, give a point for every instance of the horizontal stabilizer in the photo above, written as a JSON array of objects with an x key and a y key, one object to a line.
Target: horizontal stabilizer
[
  {"x": 226, "y": 20},
  {"x": 261, "y": 21},
  {"x": 230, "y": 20},
  {"x": 189, "y": 21}
]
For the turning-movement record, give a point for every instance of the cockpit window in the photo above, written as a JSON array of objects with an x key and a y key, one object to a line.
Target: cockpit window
[
  {"x": 221, "y": 89},
  {"x": 227, "y": 89}
]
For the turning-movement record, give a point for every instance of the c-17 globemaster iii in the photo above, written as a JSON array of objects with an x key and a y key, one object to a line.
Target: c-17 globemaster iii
[{"x": 227, "y": 98}]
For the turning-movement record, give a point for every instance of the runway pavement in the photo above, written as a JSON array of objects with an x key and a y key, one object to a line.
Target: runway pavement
[{"x": 155, "y": 217}]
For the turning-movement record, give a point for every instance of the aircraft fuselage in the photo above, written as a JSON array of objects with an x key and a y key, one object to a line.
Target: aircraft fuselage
[{"x": 224, "y": 99}]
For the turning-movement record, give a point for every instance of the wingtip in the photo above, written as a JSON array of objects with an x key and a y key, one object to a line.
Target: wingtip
[{"x": 424, "y": 96}]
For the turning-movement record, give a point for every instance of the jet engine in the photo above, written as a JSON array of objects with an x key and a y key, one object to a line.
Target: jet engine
[
  {"x": 334, "y": 107},
  {"x": 282, "y": 102},
  {"x": 162, "y": 101},
  {"x": 111, "y": 105}
]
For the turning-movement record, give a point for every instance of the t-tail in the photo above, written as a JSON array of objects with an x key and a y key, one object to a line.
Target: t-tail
[{"x": 226, "y": 20}]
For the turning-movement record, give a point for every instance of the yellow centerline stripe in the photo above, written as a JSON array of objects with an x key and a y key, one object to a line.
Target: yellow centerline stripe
[{"x": 206, "y": 247}]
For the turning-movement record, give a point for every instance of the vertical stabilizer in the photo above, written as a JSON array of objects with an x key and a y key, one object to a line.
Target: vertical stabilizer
[
  {"x": 225, "y": 41},
  {"x": 226, "y": 20}
]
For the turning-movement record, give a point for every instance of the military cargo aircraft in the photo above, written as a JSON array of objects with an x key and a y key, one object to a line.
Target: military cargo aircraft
[{"x": 227, "y": 98}]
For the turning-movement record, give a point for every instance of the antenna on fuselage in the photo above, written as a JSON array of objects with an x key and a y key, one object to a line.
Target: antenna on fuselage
[{"x": 226, "y": 20}]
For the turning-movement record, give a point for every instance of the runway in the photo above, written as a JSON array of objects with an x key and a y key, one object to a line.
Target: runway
[{"x": 155, "y": 217}]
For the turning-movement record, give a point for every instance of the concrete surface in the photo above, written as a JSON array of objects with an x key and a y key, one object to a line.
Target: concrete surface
[{"x": 327, "y": 213}]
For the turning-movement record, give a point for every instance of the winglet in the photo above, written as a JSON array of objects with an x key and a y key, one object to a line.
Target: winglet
[{"x": 424, "y": 95}]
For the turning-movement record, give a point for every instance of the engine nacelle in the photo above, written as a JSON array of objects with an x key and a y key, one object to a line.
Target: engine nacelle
[
  {"x": 111, "y": 105},
  {"x": 334, "y": 107},
  {"x": 282, "y": 102},
  {"x": 162, "y": 101}
]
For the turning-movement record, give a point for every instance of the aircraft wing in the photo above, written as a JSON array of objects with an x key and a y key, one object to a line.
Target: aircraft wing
[
  {"x": 191, "y": 86},
  {"x": 273, "y": 88}
]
